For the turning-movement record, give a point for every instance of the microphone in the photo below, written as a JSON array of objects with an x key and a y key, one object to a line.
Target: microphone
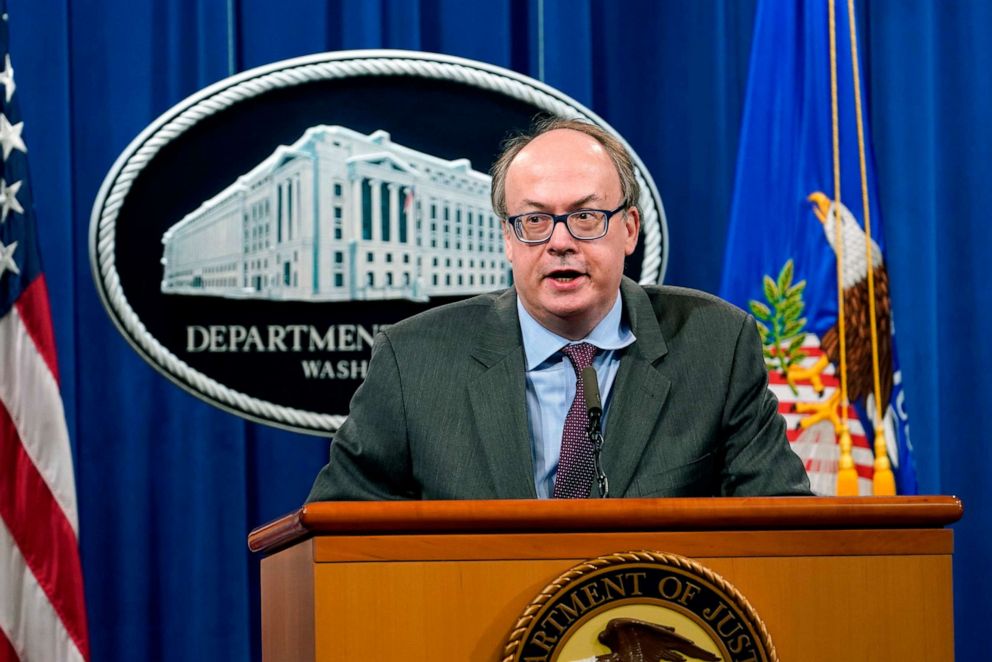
[
  {"x": 594, "y": 407},
  {"x": 590, "y": 385}
]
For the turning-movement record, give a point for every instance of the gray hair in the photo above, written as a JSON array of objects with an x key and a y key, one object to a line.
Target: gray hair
[{"x": 629, "y": 188}]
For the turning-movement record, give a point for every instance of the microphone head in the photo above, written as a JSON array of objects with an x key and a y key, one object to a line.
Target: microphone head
[{"x": 590, "y": 386}]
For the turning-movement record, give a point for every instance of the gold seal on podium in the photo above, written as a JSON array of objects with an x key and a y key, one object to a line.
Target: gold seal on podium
[{"x": 639, "y": 607}]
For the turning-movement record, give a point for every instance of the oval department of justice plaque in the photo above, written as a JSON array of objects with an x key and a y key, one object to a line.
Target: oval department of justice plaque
[{"x": 252, "y": 240}]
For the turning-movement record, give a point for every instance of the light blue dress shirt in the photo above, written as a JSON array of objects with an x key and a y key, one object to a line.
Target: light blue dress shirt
[{"x": 551, "y": 384}]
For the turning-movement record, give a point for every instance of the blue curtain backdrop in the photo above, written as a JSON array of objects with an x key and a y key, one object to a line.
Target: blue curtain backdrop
[{"x": 169, "y": 487}]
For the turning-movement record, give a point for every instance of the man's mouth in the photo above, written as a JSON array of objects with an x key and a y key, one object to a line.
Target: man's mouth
[{"x": 564, "y": 275}]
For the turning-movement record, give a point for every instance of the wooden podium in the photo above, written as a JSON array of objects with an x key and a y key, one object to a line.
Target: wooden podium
[{"x": 859, "y": 578}]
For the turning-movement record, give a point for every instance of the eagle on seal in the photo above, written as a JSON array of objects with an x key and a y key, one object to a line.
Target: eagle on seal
[{"x": 633, "y": 640}]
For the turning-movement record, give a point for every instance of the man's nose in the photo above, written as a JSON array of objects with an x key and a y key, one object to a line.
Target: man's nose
[{"x": 561, "y": 239}]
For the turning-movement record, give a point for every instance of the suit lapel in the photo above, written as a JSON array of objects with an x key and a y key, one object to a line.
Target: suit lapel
[
  {"x": 499, "y": 401},
  {"x": 639, "y": 391}
]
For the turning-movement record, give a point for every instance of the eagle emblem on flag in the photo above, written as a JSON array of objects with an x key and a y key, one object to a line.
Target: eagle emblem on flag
[{"x": 803, "y": 368}]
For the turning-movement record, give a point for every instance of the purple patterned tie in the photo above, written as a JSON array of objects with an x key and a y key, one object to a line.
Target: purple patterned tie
[{"x": 575, "y": 465}]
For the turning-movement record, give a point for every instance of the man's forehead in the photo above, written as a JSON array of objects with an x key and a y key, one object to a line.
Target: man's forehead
[
  {"x": 560, "y": 143},
  {"x": 563, "y": 167}
]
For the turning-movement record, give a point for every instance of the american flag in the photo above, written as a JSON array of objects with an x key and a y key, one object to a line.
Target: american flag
[{"x": 42, "y": 614}]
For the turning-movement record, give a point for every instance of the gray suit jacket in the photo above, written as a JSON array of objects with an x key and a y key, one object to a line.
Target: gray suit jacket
[{"x": 442, "y": 412}]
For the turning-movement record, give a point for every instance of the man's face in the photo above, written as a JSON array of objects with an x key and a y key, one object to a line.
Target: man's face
[{"x": 565, "y": 284}]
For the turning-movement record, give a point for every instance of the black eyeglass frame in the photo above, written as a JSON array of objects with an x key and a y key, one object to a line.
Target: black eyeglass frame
[{"x": 562, "y": 218}]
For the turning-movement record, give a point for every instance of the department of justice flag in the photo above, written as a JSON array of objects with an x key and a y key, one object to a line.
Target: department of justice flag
[{"x": 782, "y": 246}]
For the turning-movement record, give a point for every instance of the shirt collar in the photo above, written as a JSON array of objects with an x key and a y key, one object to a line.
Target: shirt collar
[{"x": 540, "y": 344}]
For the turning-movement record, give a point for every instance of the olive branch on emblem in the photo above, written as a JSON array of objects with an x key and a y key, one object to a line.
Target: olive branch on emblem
[{"x": 780, "y": 321}]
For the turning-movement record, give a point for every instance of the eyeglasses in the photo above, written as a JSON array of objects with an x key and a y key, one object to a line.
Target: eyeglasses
[{"x": 583, "y": 224}]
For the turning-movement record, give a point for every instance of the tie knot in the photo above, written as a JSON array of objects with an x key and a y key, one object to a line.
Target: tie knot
[{"x": 580, "y": 354}]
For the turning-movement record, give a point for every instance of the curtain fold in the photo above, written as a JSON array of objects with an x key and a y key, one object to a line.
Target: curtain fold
[{"x": 933, "y": 145}]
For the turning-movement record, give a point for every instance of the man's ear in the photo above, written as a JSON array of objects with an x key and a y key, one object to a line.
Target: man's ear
[
  {"x": 508, "y": 241},
  {"x": 632, "y": 226}
]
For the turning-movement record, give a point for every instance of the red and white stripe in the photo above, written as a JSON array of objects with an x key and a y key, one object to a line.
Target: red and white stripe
[
  {"x": 821, "y": 458},
  {"x": 42, "y": 613}
]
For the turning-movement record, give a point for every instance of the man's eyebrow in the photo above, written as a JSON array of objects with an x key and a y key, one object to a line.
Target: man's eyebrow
[{"x": 577, "y": 204}]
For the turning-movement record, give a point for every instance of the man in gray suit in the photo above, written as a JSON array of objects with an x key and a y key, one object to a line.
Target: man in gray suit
[{"x": 474, "y": 400}]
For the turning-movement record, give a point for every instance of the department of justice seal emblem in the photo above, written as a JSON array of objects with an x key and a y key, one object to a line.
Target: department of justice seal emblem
[
  {"x": 639, "y": 607},
  {"x": 250, "y": 243}
]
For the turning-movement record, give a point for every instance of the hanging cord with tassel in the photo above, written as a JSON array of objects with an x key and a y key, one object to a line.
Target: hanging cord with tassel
[
  {"x": 847, "y": 476},
  {"x": 884, "y": 482}
]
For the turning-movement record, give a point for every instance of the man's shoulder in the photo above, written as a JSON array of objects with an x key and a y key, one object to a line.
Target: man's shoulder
[
  {"x": 683, "y": 304},
  {"x": 450, "y": 320}
]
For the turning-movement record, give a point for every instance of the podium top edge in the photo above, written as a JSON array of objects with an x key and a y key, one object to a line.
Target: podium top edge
[{"x": 605, "y": 515}]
